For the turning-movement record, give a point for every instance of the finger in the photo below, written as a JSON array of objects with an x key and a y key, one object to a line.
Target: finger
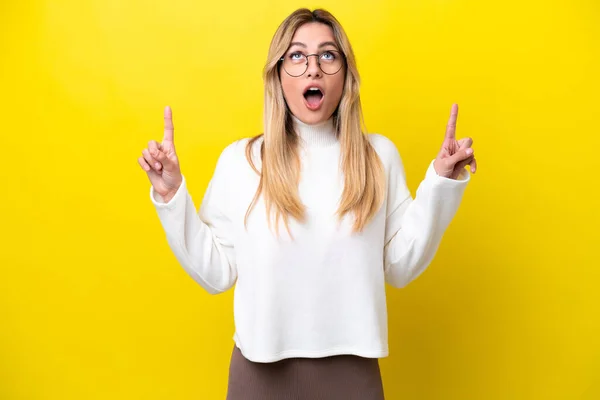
[
  {"x": 162, "y": 158},
  {"x": 460, "y": 165},
  {"x": 155, "y": 150},
  {"x": 465, "y": 142},
  {"x": 146, "y": 167},
  {"x": 168, "y": 124},
  {"x": 154, "y": 147},
  {"x": 144, "y": 164},
  {"x": 471, "y": 161},
  {"x": 451, "y": 127},
  {"x": 152, "y": 161},
  {"x": 459, "y": 156}
]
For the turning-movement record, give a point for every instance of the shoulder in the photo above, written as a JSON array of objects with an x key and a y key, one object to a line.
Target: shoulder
[
  {"x": 234, "y": 155},
  {"x": 385, "y": 148},
  {"x": 237, "y": 149}
]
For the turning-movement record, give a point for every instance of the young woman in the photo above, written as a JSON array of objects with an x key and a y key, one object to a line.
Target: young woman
[{"x": 309, "y": 220}]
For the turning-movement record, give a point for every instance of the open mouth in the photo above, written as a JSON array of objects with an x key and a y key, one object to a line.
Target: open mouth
[{"x": 313, "y": 98}]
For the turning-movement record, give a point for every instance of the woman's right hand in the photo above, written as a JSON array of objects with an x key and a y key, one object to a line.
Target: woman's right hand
[{"x": 160, "y": 162}]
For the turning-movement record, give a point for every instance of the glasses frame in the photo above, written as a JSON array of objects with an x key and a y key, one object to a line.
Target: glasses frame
[{"x": 282, "y": 59}]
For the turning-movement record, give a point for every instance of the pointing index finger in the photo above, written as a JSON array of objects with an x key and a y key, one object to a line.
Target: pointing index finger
[
  {"x": 168, "y": 124},
  {"x": 451, "y": 128}
]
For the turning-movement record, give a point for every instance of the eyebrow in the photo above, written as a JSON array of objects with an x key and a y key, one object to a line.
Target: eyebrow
[{"x": 320, "y": 45}]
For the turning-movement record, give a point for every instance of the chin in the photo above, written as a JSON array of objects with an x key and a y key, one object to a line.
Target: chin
[{"x": 313, "y": 117}]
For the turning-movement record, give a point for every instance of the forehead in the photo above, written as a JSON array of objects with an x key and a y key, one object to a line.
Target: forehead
[{"x": 313, "y": 33}]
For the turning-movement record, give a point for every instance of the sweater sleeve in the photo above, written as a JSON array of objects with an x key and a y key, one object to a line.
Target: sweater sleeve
[
  {"x": 415, "y": 226},
  {"x": 202, "y": 241}
]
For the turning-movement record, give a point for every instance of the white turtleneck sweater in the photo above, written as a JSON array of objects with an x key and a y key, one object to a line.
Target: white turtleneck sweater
[{"x": 321, "y": 293}]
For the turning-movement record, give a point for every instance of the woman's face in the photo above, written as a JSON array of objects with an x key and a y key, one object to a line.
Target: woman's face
[{"x": 310, "y": 106}]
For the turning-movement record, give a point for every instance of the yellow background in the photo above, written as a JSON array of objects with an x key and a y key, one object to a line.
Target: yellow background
[{"x": 94, "y": 306}]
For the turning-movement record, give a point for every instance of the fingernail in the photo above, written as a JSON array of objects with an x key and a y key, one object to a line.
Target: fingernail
[
  {"x": 469, "y": 151},
  {"x": 157, "y": 165}
]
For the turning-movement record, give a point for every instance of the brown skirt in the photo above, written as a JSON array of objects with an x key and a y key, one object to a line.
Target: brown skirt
[{"x": 343, "y": 377}]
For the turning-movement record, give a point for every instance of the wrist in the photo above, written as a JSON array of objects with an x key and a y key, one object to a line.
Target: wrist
[
  {"x": 171, "y": 192},
  {"x": 440, "y": 171},
  {"x": 168, "y": 196}
]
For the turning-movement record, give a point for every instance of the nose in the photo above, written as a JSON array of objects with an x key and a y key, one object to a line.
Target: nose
[{"x": 313, "y": 68}]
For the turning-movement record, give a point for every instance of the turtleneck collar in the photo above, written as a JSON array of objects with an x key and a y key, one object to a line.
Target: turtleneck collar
[{"x": 318, "y": 135}]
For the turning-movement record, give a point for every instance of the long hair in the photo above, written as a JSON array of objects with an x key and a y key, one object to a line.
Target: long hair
[{"x": 364, "y": 180}]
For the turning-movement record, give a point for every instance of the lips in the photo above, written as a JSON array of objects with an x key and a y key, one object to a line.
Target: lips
[{"x": 313, "y": 97}]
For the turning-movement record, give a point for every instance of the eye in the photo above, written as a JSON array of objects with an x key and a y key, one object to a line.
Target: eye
[
  {"x": 328, "y": 56},
  {"x": 296, "y": 56}
]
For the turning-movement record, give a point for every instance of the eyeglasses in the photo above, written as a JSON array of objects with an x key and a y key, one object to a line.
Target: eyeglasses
[{"x": 295, "y": 64}]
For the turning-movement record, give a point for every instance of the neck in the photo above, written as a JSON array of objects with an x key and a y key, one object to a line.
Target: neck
[{"x": 321, "y": 134}]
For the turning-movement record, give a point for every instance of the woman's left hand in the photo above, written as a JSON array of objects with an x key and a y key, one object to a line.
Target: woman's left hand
[{"x": 454, "y": 155}]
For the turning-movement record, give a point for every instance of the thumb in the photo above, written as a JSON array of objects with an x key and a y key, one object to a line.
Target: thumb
[
  {"x": 460, "y": 156},
  {"x": 168, "y": 163}
]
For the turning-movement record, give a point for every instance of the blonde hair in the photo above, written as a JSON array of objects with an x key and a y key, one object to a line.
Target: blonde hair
[{"x": 364, "y": 181}]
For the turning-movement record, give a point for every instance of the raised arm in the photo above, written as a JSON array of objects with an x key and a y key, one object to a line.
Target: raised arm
[
  {"x": 415, "y": 226},
  {"x": 201, "y": 241}
]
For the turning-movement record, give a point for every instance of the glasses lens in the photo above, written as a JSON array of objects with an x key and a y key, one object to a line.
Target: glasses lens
[
  {"x": 294, "y": 64},
  {"x": 330, "y": 61}
]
